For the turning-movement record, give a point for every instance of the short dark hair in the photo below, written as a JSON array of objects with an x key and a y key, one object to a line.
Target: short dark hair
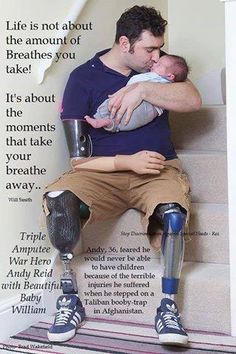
[
  {"x": 180, "y": 67},
  {"x": 137, "y": 19}
]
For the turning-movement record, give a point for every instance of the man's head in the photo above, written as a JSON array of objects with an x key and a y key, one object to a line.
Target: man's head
[
  {"x": 172, "y": 67},
  {"x": 138, "y": 19},
  {"x": 140, "y": 35}
]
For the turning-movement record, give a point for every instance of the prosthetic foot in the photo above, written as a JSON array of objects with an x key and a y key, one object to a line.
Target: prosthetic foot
[
  {"x": 70, "y": 311},
  {"x": 167, "y": 321}
]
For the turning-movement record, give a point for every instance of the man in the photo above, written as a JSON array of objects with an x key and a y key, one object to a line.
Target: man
[{"x": 112, "y": 172}]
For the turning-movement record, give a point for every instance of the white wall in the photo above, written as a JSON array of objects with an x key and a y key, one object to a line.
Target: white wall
[{"x": 196, "y": 31}]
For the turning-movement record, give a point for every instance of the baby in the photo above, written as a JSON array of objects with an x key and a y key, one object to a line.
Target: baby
[{"x": 168, "y": 69}]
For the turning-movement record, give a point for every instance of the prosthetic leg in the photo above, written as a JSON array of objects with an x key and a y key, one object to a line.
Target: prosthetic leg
[
  {"x": 167, "y": 321},
  {"x": 172, "y": 246},
  {"x": 63, "y": 223}
]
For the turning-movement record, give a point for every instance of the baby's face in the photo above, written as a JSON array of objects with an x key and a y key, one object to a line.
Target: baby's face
[{"x": 161, "y": 67}]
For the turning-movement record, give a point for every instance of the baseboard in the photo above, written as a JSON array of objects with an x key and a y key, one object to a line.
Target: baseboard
[{"x": 16, "y": 315}]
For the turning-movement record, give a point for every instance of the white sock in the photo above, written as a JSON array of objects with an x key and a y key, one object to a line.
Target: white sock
[
  {"x": 170, "y": 296},
  {"x": 55, "y": 194}
]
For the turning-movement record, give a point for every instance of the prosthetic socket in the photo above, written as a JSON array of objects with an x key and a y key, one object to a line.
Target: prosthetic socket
[
  {"x": 63, "y": 221},
  {"x": 77, "y": 138},
  {"x": 173, "y": 218}
]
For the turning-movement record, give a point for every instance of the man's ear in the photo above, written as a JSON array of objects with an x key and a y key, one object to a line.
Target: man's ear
[{"x": 124, "y": 44}]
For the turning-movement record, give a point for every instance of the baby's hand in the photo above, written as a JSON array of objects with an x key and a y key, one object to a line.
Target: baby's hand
[{"x": 98, "y": 123}]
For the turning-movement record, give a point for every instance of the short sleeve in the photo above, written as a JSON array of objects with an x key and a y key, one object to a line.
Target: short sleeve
[{"x": 76, "y": 98}]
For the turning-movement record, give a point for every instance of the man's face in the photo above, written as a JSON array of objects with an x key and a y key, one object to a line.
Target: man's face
[{"x": 144, "y": 52}]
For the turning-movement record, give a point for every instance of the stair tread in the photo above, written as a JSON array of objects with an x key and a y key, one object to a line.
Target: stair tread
[
  {"x": 220, "y": 206},
  {"x": 201, "y": 130},
  {"x": 200, "y": 152},
  {"x": 207, "y": 174}
]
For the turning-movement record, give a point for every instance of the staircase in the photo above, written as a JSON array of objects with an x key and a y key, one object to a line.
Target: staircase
[{"x": 129, "y": 289}]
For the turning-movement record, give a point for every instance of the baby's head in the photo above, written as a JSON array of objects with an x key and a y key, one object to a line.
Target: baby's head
[{"x": 172, "y": 67}]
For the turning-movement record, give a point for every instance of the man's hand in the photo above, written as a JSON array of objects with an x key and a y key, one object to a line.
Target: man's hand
[
  {"x": 125, "y": 101},
  {"x": 143, "y": 162}
]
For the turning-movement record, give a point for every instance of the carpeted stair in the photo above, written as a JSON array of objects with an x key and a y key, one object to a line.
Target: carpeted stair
[{"x": 113, "y": 337}]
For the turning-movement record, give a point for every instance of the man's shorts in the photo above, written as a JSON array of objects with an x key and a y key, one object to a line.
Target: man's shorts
[{"x": 109, "y": 194}]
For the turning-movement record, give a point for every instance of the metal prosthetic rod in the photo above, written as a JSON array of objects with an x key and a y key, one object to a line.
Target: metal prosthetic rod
[
  {"x": 77, "y": 138},
  {"x": 68, "y": 278},
  {"x": 172, "y": 246}
]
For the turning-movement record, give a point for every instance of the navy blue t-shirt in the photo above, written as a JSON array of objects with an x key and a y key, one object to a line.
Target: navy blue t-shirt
[{"x": 88, "y": 86}]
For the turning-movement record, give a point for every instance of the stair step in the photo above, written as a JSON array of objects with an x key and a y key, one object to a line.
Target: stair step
[
  {"x": 209, "y": 234},
  {"x": 200, "y": 130},
  {"x": 127, "y": 229},
  {"x": 197, "y": 300},
  {"x": 207, "y": 172}
]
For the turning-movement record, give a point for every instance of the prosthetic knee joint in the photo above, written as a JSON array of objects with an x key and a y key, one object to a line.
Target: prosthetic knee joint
[
  {"x": 63, "y": 220},
  {"x": 173, "y": 218}
]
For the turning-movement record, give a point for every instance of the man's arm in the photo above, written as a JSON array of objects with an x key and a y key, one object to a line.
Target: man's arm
[
  {"x": 179, "y": 97},
  {"x": 143, "y": 162}
]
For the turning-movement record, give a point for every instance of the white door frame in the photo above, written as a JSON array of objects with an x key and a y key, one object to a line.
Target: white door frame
[{"x": 230, "y": 43}]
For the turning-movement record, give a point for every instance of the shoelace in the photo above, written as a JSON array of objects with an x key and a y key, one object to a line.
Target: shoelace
[
  {"x": 171, "y": 320},
  {"x": 62, "y": 316}
]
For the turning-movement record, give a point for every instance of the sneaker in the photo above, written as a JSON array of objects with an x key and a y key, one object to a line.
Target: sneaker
[
  {"x": 168, "y": 325},
  {"x": 68, "y": 318}
]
